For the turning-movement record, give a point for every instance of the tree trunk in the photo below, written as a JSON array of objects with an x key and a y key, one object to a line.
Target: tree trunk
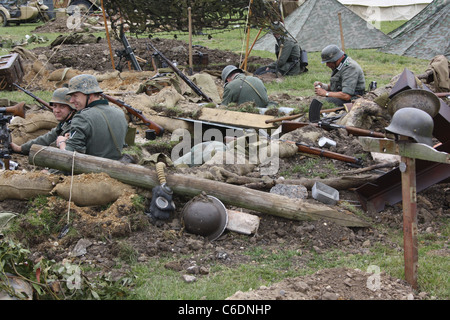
[{"x": 140, "y": 176}]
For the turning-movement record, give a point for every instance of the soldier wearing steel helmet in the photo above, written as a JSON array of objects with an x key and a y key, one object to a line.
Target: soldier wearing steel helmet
[
  {"x": 239, "y": 88},
  {"x": 347, "y": 80},
  {"x": 97, "y": 129},
  {"x": 63, "y": 111},
  {"x": 288, "y": 53}
]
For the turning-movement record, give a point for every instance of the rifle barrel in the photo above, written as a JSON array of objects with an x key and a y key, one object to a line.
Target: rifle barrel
[{"x": 39, "y": 100}]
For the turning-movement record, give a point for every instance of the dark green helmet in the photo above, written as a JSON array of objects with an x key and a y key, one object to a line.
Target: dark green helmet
[
  {"x": 205, "y": 216},
  {"x": 413, "y": 123},
  {"x": 84, "y": 83},
  {"x": 331, "y": 53},
  {"x": 60, "y": 96},
  {"x": 228, "y": 70}
]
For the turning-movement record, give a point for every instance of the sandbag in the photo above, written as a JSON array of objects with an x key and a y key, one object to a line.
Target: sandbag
[
  {"x": 34, "y": 122},
  {"x": 93, "y": 189},
  {"x": 20, "y": 185}
]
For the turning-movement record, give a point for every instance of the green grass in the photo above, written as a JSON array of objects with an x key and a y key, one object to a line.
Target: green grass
[{"x": 268, "y": 266}]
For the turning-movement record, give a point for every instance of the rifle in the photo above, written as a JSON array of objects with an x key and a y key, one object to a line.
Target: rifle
[
  {"x": 303, "y": 147},
  {"x": 288, "y": 126},
  {"x": 5, "y": 137},
  {"x": 137, "y": 113},
  {"x": 193, "y": 86},
  {"x": 41, "y": 102},
  {"x": 127, "y": 52}
]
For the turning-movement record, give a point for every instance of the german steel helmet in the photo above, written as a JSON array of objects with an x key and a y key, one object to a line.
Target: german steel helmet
[
  {"x": 415, "y": 98},
  {"x": 206, "y": 216},
  {"x": 331, "y": 53},
  {"x": 60, "y": 96},
  {"x": 228, "y": 70},
  {"x": 413, "y": 123},
  {"x": 84, "y": 83}
]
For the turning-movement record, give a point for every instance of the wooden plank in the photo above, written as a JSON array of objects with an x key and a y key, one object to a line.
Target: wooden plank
[
  {"x": 404, "y": 148},
  {"x": 235, "y": 118}
]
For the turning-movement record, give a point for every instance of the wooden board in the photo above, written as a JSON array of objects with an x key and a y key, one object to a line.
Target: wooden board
[{"x": 235, "y": 118}]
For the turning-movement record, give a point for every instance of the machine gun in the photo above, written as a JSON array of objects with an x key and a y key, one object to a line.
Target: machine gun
[
  {"x": 5, "y": 137},
  {"x": 126, "y": 53},
  {"x": 192, "y": 85},
  {"x": 39, "y": 100}
]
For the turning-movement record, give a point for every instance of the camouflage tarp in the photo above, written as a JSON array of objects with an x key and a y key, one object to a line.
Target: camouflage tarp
[
  {"x": 315, "y": 24},
  {"x": 425, "y": 36}
]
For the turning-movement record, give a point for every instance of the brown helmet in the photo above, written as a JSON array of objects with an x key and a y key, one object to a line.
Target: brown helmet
[{"x": 205, "y": 216}]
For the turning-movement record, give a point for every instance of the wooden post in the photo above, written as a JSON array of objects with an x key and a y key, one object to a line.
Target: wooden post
[
  {"x": 135, "y": 175},
  {"x": 107, "y": 36},
  {"x": 409, "y": 201},
  {"x": 248, "y": 36},
  {"x": 342, "y": 32}
]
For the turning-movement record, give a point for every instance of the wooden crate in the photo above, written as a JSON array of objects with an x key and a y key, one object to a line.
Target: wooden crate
[{"x": 11, "y": 71}]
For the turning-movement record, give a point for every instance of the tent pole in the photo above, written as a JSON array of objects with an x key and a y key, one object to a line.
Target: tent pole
[{"x": 342, "y": 32}]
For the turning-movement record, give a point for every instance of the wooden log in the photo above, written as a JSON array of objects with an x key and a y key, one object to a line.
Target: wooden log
[{"x": 140, "y": 176}]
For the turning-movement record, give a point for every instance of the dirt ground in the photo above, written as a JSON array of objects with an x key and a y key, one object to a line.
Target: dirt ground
[{"x": 107, "y": 230}]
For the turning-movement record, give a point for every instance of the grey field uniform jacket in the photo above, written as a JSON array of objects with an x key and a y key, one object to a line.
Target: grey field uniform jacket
[
  {"x": 98, "y": 130},
  {"x": 244, "y": 89},
  {"x": 288, "y": 62},
  {"x": 348, "y": 77},
  {"x": 49, "y": 138}
]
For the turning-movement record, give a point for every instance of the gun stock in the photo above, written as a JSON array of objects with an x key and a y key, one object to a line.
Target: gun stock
[
  {"x": 137, "y": 113},
  {"x": 192, "y": 85},
  {"x": 288, "y": 126},
  {"x": 16, "y": 110},
  {"x": 39, "y": 100}
]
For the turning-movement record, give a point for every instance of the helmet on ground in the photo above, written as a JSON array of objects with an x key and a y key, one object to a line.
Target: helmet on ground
[
  {"x": 331, "y": 53},
  {"x": 84, "y": 83},
  {"x": 60, "y": 96},
  {"x": 416, "y": 98},
  {"x": 228, "y": 70},
  {"x": 413, "y": 123},
  {"x": 205, "y": 216}
]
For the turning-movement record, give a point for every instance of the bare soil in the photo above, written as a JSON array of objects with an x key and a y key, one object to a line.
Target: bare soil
[{"x": 108, "y": 231}]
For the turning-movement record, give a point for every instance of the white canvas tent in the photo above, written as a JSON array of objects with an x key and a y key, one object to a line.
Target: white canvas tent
[
  {"x": 386, "y": 10},
  {"x": 315, "y": 24}
]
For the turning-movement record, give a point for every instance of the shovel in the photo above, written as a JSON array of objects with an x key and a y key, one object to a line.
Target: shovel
[{"x": 316, "y": 106}]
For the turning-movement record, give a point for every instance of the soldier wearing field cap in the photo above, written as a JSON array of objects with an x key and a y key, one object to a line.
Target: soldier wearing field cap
[
  {"x": 97, "y": 129},
  {"x": 347, "y": 80}
]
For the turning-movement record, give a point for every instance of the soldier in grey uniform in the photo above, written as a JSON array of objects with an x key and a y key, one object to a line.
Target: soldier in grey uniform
[
  {"x": 63, "y": 111},
  {"x": 288, "y": 54},
  {"x": 239, "y": 88},
  {"x": 347, "y": 78},
  {"x": 97, "y": 129}
]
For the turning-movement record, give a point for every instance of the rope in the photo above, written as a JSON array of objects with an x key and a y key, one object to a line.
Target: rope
[{"x": 71, "y": 186}]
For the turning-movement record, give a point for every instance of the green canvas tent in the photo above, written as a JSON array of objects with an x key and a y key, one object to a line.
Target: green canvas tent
[
  {"x": 315, "y": 24},
  {"x": 425, "y": 36}
]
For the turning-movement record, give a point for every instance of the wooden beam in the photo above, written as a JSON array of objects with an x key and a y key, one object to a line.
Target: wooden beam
[{"x": 243, "y": 197}]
